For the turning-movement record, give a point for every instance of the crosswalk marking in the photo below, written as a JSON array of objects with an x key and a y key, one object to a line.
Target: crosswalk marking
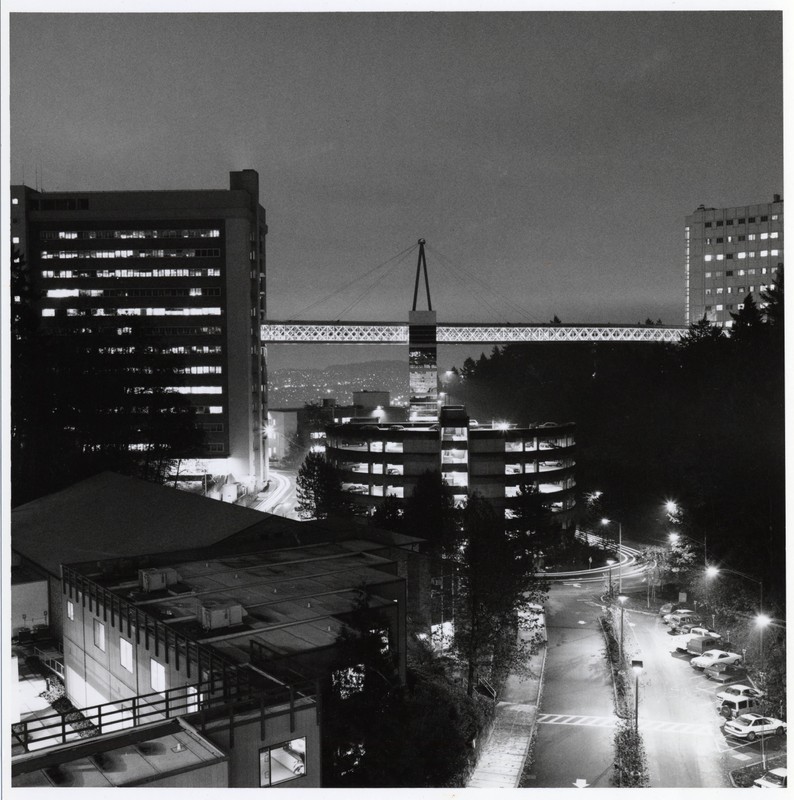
[{"x": 683, "y": 728}]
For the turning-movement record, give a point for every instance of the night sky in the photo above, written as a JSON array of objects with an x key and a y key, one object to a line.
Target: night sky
[{"x": 549, "y": 159}]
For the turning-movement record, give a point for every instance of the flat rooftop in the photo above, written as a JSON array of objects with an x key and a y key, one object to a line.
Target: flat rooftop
[{"x": 134, "y": 757}]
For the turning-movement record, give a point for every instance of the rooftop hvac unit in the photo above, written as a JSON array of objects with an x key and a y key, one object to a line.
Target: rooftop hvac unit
[
  {"x": 220, "y": 614},
  {"x": 156, "y": 578}
]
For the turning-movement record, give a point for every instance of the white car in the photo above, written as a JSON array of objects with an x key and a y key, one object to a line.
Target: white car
[
  {"x": 711, "y": 657},
  {"x": 738, "y": 690},
  {"x": 751, "y": 726},
  {"x": 774, "y": 779},
  {"x": 704, "y": 632},
  {"x": 666, "y": 617}
]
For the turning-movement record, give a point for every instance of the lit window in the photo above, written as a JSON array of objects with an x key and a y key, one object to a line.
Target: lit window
[
  {"x": 774, "y": 252},
  {"x": 708, "y": 274},
  {"x": 720, "y": 257},
  {"x": 708, "y": 291},
  {"x": 751, "y": 237},
  {"x": 157, "y": 672},
  {"x": 70, "y": 609},
  {"x": 15, "y": 240},
  {"x": 774, "y": 235},
  {"x": 720, "y": 290},
  {"x": 743, "y": 255},
  {"x": 47, "y": 312},
  {"x": 775, "y": 217},
  {"x": 764, "y": 253},
  {"x": 719, "y": 308},
  {"x": 707, "y": 258},
  {"x": 282, "y": 763},
  {"x": 764, "y": 235},
  {"x": 125, "y": 654},
  {"x": 99, "y": 635},
  {"x": 15, "y": 201}
]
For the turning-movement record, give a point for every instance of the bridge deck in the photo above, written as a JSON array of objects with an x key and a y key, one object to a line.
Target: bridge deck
[{"x": 397, "y": 333}]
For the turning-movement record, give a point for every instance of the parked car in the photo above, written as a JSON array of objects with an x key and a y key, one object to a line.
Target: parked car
[
  {"x": 699, "y": 630},
  {"x": 734, "y": 707},
  {"x": 713, "y": 657},
  {"x": 738, "y": 690},
  {"x": 773, "y": 779},
  {"x": 725, "y": 673},
  {"x": 751, "y": 726},
  {"x": 697, "y": 645},
  {"x": 666, "y": 617},
  {"x": 680, "y": 618}
]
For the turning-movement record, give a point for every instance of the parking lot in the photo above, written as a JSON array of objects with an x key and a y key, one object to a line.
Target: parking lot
[{"x": 679, "y": 715}]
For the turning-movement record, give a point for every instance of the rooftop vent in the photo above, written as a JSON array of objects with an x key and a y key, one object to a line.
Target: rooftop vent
[
  {"x": 215, "y": 614},
  {"x": 156, "y": 578}
]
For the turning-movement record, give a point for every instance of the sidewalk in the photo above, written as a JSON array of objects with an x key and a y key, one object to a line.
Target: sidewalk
[{"x": 503, "y": 755}]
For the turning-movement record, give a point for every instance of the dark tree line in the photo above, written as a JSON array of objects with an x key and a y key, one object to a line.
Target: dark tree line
[
  {"x": 73, "y": 410},
  {"x": 701, "y": 421}
]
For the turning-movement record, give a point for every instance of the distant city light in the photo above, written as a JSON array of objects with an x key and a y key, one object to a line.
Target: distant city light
[
  {"x": 762, "y": 620},
  {"x": 501, "y": 426}
]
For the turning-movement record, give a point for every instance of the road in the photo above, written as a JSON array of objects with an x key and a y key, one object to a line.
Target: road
[
  {"x": 677, "y": 705},
  {"x": 280, "y": 497},
  {"x": 574, "y": 740}
]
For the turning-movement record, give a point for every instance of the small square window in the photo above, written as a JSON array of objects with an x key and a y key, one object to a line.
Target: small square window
[
  {"x": 775, "y": 217},
  {"x": 708, "y": 274},
  {"x": 742, "y": 220},
  {"x": 765, "y": 219},
  {"x": 728, "y": 273},
  {"x": 720, "y": 239},
  {"x": 125, "y": 654},
  {"x": 70, "y": 609},
  {"x": 707, "y": 225},
  {"x": 282, "y": 763},
  {"x": 751, "y": 219},
  {"x": 157, "y": 674},
  {"x": 729, "y": 222},
  {"x": 15, "y": 240},
  {"x": 741, "y": 237},
  {"x": 15, "y": 201},
  {"x": 99, "y": 635},
  {"x": 729, "y": 256},
  {"x": 707, "y": 258},
  {"x": 719, "y": 223},
  {"x": 719, "y": 307}
]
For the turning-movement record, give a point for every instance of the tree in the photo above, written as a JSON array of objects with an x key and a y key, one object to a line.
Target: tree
[
  {"x": 319, "y": 488},
  {"x": 495, "y": 598},
  {"x": 389, "y": 514},
  {"x": 430, "y": 513}
]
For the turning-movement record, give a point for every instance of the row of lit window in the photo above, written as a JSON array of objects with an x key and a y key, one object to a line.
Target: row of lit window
[
  {"x": 199, "y": 330},
  {"x": 156, "y": 233},
  {"x": 200, "y": 370},
  {"x": 743, "y": 254},
  {"x": 739, "y": 289},
  {"x": 750, "y": 237},
  {"x": 189, "y": 252},
  {"x": 135, "y": 312},
  {"x": 742, "y": 220},
  {"x": 212, "y": 291},
  {"x": 143, "y": 272},
  {"x": 181, "y": 389},
  {"x": 740, "y": 272}
]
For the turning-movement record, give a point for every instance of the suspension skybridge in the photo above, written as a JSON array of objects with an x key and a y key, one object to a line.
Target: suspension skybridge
[{"x": 398, "y": 333}]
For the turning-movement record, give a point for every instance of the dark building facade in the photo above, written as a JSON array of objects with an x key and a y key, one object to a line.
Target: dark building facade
[{"x": 169, "y": 285}]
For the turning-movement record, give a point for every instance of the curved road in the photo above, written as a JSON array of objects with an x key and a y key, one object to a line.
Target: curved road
[{"x": 280, "y": 497}]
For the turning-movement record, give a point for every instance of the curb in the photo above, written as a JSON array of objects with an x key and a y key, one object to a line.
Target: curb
[{"x": 533, "y": 729}]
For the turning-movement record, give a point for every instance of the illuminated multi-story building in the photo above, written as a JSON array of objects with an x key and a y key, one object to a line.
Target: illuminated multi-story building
[
  {"x": 494, "y": 460},
  {"x": 163, "y": 283},
  {"x": 730, "y": 253}
]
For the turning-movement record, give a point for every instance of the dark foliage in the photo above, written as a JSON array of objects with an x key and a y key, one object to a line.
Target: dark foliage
[{"x": 701, "y": 421}]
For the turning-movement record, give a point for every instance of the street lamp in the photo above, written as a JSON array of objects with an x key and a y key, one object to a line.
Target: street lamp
[
  {"x": 622, "y": 598},
  {"x": 606, "y": 522},
  {"x": 636, "y": 665},
  {"x": 610, "y": 562}
]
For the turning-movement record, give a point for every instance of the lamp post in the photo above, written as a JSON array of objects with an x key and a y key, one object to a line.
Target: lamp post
[
  {"x": 610, "y": 562},
  {"x": 606, "y": 522},
  {"x": 622, "y": 598},
  {"x": 762, "y": 620},
  {"x": 636, "y": 665}
]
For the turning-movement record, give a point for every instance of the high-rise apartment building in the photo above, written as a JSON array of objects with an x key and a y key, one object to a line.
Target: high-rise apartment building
[
  {"x": 730, "y": 253},
  {"x": 163, "y": 283}
]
